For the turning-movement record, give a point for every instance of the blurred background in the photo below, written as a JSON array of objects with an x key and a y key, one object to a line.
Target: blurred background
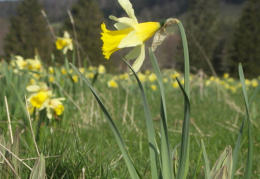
[{"x": 220, "y": 33}]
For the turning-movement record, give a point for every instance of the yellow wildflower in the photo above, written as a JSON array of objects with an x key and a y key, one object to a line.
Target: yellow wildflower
[
  {"x": 34, "y": 64},
  {"x": 225, "y": 75},
  {"x": 75, "y": 78},
  {"x": 153, "y": 87},
  {"x": 82, "y": 70},
  {"x": 152, "y": 77},
  {"x": 112, "y": 84},
  {"x": 51, "y": 70},
  {"x": 90, "y": 75},
  {"x": 38, "y": 99},
  {"x": 56, "y": 106},
  {"x": 124, "y": 76},
  {"x": 141, "y": 77},
  {"x": 175, "y": 84},
  {"x": 175, "y": 75},
  {"x": 165, "y": 80},
  {"x": 63, "y": 71},
  {"x": 130, "y": 33},
  {"x": 19, "y": 62},
  {"x": 101, "y": 69},
  {"x": 64, "y": 43},
  {"x": 254, "y": 83},
  {"x": 51, "y": 79},
  {"x": 92, "y": 68}
]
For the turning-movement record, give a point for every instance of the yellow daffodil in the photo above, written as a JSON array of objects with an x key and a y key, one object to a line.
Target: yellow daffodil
[
  {"x": 51, "y": 70},
  {"x": 64, "y": 43},
  {"x": 51, "y": 79},
  {"x": 175, "y": 84},
  {"x": 63, "y": 71},
  {"x": 54, "y": 106},
  {"x": 34, "y": 64},
  {"x": 82, "y": 70},
  {"x": 112, "y": 84},
  {"x": 19, "y": 62},
  {"x": 75, "y": 78},
  {"x": 37, "y": 100},
  {"x": 225, "y": 75},
  {"x": 101, "y": 69},
  {"x": 153, "y": 87},
  {"x": 90, "y": 75},
  {"x": 129, "y": 33},
  {"x": 141, "y": 77},
  {"x": 254, "y": 83},
  {"x": 165, "y": 80},
  {"x": 40, "y": 94},
  {"x": 124, "y": 76},
  {"x": 152, "y": 77}
]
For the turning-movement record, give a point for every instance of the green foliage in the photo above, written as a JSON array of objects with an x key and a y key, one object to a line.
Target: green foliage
[
  {"x": 87, "y": 19},
  {"x": 246, "y": 41},
  {"x": 28, "y": 32}
]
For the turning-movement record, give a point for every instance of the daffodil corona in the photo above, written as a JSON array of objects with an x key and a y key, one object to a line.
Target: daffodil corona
[{"x": 129, "y": 33}]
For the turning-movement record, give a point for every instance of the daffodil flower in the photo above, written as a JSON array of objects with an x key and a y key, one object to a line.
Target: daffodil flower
[
  {"x": 19, "y": 62},
  {"x": 35, "y": 64},
  {"x": 54, "y": 106},
  {"x": 64, "y": 43},
  {"x": 130, "y": 33}
]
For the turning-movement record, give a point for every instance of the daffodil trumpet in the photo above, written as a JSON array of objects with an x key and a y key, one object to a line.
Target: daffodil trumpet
[{"x": 129, "y": 33}]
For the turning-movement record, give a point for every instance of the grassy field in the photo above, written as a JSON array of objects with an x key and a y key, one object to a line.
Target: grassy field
[{"x": 78, "y": 142}]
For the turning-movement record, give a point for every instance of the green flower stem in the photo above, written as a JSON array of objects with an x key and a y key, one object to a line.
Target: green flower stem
[{"x": 184, "y": 155}]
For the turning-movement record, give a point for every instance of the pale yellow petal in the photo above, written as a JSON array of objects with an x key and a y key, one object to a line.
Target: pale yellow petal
[
  {"x": 139, "y": 61},
  {"x": 124, "y": 20},
  {"x": 131, "y": 40},
  {"x": 120, "y": 26},
  {"x": 127, "y": 6},
  {"x": 33, "y": 88},
  {"x": 66, "y": 35},
  {"x": 134, "y": 53}
]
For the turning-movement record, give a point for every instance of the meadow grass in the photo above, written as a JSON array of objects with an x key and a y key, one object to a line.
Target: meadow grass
[{"x": 81, "y": 138}]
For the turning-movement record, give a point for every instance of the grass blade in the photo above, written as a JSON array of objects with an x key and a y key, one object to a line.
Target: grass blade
[
  {"x": 205, "y": 161},
  {"x": 249, "y": 163},
  {"x": 150, "y": 128},
  {"x": 167, "y": 165},
  {"x": 132, "y": 171}
]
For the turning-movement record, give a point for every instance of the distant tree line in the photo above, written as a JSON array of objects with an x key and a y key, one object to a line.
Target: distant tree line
[{"x": 216, "y": 46}]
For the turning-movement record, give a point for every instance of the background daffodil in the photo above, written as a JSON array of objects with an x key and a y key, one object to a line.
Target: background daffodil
[
  {"x": 129, "y": 33},
  {"x": 64, "y": 43}
]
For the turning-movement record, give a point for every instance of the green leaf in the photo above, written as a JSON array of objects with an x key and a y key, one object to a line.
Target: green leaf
[
  {"x": 167, "y": 166},
  {"x": 150, "y": 128},
  {"x": 38, "y": 171},
  {"x": 237, "y": 146},
  {"x": 184, "y": 159},
  {"x": 248, "y": 170},
  {"x": 131, "y": 168}
]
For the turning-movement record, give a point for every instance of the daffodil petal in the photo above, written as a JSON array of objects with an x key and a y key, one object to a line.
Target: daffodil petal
[
  {"x": 131, "y": 40},
  {"x": 134, "y": 53},
  {"x": 33, "y": 88},
  {"x": 127, "y": 6},
  {"x": 124, "y": 20},
  {"x": 66, "y": 35},
  {"x": 120, "y": 26},
  {"x": 139, "y": 61}
]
